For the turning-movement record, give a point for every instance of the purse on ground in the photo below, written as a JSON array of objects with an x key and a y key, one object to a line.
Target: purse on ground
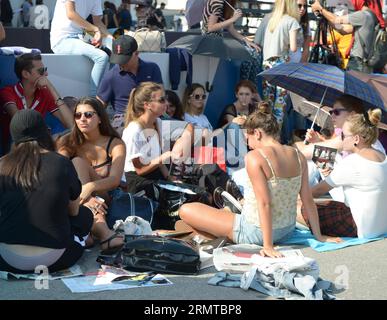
[{"x": 154, "y": 253}]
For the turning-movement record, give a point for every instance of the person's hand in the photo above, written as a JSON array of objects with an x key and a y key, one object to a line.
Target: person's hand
[
  {"x": 270, "y": 252},
  {"x": 240, "y": 120},
  {"x": 237, "y": 14},
  {"x": 165, "y": 157},
  {"x": 312, "y": 136},
  {"x": 42, "y": 82},
  {"x": 316, "y": 6},
  {"x": 253, "y": 45},
  {"x": 87, "y": 190},
  {"x": 326, "y": 171},
  {"x": 329, "y": 239},
  {"x": 96, "y": 206},
  {"x": 97, "y": 39}
]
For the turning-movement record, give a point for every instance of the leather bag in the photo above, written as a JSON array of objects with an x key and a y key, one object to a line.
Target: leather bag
[{"x": 154, "y": 253}]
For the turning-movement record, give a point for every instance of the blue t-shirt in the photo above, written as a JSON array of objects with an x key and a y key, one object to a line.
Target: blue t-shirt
[{"x": 116, "y": 85}]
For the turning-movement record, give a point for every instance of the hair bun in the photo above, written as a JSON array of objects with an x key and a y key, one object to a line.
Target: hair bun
[
  {"x": 264, "y": 107},
  {"x": 374, "y": 116}
]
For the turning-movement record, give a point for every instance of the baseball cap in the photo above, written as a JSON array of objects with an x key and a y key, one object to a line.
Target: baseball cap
[{"x": 123, "y": 48}]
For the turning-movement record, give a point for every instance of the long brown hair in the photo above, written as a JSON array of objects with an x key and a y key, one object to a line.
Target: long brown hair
[
  {"x": 138, "y": 97},
  {"x": 72, "y": 141},
  {"x": 21, "y": 166}
]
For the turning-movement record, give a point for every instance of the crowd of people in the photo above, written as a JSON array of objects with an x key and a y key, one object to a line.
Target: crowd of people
[{"x": 57, "y": 193}]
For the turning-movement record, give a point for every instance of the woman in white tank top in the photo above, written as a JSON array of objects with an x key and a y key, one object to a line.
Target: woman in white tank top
[{"x": 277, "y": 175}]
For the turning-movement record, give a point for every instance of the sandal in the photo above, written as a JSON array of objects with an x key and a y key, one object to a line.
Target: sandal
[{"x": 111, "y": 250}]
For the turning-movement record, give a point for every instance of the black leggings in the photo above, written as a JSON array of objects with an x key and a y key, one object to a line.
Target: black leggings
[{"x": 80, "y": 226}]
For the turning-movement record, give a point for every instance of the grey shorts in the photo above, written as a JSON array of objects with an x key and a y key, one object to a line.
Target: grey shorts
[{"x": 245, "y": 232}]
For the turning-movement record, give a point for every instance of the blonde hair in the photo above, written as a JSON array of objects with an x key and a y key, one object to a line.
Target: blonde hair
[
  {"x": 281, "y": 8},
  {"x": 139, "y": 96},
  {"x": 365, "y": 125},
  {"x": 187, "y": 94},
  {"x": 263, "y": 119}
]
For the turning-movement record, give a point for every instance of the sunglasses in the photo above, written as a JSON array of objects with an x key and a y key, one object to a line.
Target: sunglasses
[
  {"x": 336, "y": 112},
  {"x": 160, "y": 100},
  {"x": 199, "y": 97},
  {"x": 87, "y": 114},
  {"x": 42, "y": 70},
  {"x": 302, "y": 6}
]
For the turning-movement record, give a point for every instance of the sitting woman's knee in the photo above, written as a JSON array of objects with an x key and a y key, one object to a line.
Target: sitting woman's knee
[{"x": 184, "y": 211}]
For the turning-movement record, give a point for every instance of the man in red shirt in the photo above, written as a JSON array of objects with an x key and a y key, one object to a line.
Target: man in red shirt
[{"x": 33, "y": 91}]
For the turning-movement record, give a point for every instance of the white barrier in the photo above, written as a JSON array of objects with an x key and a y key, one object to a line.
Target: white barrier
[{"x": 70, "y": 74}]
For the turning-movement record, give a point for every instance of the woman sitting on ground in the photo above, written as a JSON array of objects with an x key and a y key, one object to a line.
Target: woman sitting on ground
[
  {"x": 233, "y": 118},
  {"x": 363, "y": 176},
  {"x": 237, "y": 112},
  {"x": 98, "y": 154},
  {"x": 39, "y": 202},
  {"x": 146, "y": 156},
  {"x": 277, "y": 175}
]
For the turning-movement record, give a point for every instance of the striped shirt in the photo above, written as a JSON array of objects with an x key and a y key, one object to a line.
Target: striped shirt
[{"x": 213, "y": 7}]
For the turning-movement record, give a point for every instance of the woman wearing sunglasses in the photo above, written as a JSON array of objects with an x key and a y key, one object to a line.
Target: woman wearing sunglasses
[
  {"x": 363, "y": 177},
  {"x": 277, "y": 174},
  {"x": 343, "y": 107},
  {"x": 98, "y": 154},
  {"x": 146, "y": 154}
]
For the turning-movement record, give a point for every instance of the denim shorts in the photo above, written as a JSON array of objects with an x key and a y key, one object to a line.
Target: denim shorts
[{"x": 245, "y": 232}]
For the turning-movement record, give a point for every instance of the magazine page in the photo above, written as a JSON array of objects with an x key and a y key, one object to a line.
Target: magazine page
[{"x": 324, "y": 157}]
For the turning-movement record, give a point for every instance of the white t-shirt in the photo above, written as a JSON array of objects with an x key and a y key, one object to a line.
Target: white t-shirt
[
  {"x": 147, "y": 144},
  {"x": 277, "y": 43},
  {"x": 62, "y": 27},
  {"x": 200, "y": 121},
  {"x": 364, "y": 185}
]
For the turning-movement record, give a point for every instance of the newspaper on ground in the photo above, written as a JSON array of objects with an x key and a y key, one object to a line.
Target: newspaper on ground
[
  {"x": 74, "y": 271},
  {"x": 112, "y": 278},
  {"x": 240, "y": 258}
]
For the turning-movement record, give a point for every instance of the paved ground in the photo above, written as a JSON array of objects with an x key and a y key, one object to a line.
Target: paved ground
[{"x": 362, "y": 269}]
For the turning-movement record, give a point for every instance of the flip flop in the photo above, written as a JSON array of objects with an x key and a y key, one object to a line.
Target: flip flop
[{"x": 111, "y": 250}]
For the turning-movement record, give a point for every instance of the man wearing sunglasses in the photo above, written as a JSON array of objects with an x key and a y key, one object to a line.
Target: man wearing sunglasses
[
  {"x": 129, "y": 71},
  {"x": 33, "y": 91}
]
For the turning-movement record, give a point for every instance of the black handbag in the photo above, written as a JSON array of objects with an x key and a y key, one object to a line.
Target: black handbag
[
  {"x": 171, "y": 196},
  {"x": 154, "y": 253}
]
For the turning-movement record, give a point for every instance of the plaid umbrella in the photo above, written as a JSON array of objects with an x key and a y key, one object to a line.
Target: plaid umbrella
[
  {"x": 377, "y": 81},
  {"x": 321, "y": 83}
]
